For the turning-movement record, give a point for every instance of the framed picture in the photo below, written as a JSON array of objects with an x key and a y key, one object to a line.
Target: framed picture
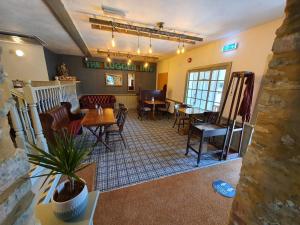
[{"x": 114, "y": 80}]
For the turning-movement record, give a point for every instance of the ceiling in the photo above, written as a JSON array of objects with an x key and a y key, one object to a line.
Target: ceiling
[{"x": 212, "y": 19}]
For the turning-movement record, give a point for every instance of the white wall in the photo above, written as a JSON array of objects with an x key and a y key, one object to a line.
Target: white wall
[
  {"x": 252, "y": 54},
  {"x": 32, "y": 66}
]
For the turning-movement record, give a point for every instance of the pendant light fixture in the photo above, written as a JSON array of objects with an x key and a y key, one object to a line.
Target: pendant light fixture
[
  {"x": 182, "y": 49},
  {"x": 178, "y": 48},
  {"x": 150, "y": 46},
  {"x": 129, "y": 60},
  {"x": 113, "y": 42},
  {"x": 138, "y": 51},
  {"x": 108, "y": 59},
  {"x": 146, "y": 64}
]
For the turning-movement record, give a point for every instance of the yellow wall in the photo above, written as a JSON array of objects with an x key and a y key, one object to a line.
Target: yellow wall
[
  {"x": 253, "y": 54},
  {"x": 32, "y": 66}
]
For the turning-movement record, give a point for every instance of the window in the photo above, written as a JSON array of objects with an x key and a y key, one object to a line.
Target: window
[{"x": 205, "y": 88}]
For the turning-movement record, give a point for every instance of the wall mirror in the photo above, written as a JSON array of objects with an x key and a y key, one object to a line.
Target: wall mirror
[
  {"x": 115, "y": 80},
  {"x": 131, "y": 82}
]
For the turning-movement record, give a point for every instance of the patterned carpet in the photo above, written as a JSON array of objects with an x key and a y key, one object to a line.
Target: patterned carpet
[{"x": 154, "y": 150}]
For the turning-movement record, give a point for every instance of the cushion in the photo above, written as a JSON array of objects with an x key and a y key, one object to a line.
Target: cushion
[
  {"x": 74, "y": 127},
  {"x": 112, "y": 128},
  {"x": 147, "y": 109}
]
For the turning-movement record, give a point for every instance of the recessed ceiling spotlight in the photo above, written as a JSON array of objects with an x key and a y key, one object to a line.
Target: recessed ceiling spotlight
[{"x": 19, "y": 53}]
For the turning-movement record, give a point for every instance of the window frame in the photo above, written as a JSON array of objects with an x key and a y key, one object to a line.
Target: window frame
[{"x": 220, "y": 66}]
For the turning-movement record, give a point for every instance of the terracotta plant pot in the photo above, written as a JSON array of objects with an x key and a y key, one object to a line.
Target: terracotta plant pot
[{"x": 72, "y": 208}]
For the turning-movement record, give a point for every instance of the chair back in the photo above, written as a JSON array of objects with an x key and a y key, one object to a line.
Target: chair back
[
  {"x": 122, "y": 118},
  {"x": 211, "y": 117}
]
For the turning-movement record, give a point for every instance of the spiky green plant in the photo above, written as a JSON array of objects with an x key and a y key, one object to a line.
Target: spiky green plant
[{"x": 65, "y": 156}]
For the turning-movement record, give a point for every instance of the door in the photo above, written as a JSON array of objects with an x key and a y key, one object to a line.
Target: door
[{"x": 162, "y": 79}]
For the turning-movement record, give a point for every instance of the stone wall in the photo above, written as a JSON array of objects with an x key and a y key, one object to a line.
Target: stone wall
[
  {"x": 269, "y": 188},
  {"x": 15, "y": 192}
]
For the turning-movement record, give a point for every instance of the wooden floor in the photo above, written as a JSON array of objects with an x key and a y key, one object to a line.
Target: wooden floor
[{"x": 184, "y": 199}]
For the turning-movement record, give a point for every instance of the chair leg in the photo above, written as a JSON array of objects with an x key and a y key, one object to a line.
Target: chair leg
[
  {"x": 123, "y": 140},
  {"x": 175, "y": 122},
  {"x": 188, "y": 142},
  {"x": 200, "y": 149}
]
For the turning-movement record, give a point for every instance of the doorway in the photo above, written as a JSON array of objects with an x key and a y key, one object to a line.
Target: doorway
[{"x": 162, "y": 79}]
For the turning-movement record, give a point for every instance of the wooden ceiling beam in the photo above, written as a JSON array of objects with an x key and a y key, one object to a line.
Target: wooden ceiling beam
[
  {"x": 119, "y": 54},
  {"x": 59, "y": 11},
  {"x": 142, "y": 31}
]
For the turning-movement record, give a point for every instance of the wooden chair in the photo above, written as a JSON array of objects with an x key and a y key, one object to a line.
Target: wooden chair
[
  {"x": 117, "y": 129},
  {"x": 165, "y": 110},
  {"x": 180, "y": 118},
  {"x": 143, "y": 110},
  {"x": 205, "y": 129}
]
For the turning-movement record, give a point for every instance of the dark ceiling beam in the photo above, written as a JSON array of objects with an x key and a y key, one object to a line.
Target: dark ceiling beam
[
  {"x": 142, "y": 31},
  {"x": 59, "y": 11}
]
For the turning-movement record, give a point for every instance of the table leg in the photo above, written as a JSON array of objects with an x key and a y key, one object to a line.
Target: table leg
[
  {"x": 98, "y": 136},
  {"x": 153, "y": 109}
]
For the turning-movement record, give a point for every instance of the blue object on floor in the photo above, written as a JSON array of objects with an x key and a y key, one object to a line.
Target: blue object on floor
[{"x": 223, "y": 188}]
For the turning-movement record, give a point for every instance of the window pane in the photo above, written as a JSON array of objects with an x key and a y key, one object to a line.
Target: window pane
[
  {"x": 220, "y": 85},
  {"x": 209, "y": 106},
  {"x": 197, "y": 104},
  {"x": 188, "y": 101},
  {"x": 200, "y": 85},
  {"x": 189, "y": 93},
  {"x": 215, "y": 75},
  {"x": 205, "y": 85},
  {"x": 194, "y": 84},
  {"x": 202, "y": 104},
  {"x": 206, "y": 75},
  {"x": 193, "y": 93},
  {"x": 213, "y": 85},
  {"x": 211, "y": 96},
  {"x": 204, "y": 95},
  {"x": 195, "y": 76},
  {"x": 218, "y": 97},
  {"x": 201, "y": 77},
  {"x": 190, "y": 84},
  {"x": 222, "y": 74},
  {"x": 199, "y": 94}
]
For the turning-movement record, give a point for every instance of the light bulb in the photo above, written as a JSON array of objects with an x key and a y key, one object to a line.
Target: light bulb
[
  {"x": 182, "y": 49},
  {"x": 19, "y": 53},
  {"x": 146, "y": 64},
  {"x": 150, "y": 50},
  {"x": 108, "y": 59},
  {"x": 113, "y": 43},
  {"x": 129, "y": 62},
  {"x": 138, "y": 51}
]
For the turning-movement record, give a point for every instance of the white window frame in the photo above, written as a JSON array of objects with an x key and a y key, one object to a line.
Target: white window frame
[{"x": 223, "y": 66}]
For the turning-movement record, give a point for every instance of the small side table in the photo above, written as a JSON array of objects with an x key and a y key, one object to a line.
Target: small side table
[{"x": 44, "y": 213}]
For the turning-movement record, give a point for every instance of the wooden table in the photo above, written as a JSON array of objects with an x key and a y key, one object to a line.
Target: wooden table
[
  {"x": 94, "y": 122},
  {"x": 154, "y": 103}
]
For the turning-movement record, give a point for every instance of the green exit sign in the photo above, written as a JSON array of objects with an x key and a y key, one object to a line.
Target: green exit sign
[{"x": 230, "y": 47}]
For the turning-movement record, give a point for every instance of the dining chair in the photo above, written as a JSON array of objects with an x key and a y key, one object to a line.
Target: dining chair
[
  {"x": 165, "y": 110},
  {"x": 117, "y": 129},
  {"x": 180, "y": 118},
  {"x": 143, "y": 110}
]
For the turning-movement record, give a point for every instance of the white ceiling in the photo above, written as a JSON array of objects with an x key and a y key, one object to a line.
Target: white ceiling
[{"x": 211, "y": 18}]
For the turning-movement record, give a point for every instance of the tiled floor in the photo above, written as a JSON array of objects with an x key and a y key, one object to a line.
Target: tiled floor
[{"x": 154, "y": 150}]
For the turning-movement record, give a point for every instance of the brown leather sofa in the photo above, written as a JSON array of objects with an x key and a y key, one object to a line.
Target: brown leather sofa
[
  {"x": 60, "y": 118},
  {"x": 89, "y": 101}
]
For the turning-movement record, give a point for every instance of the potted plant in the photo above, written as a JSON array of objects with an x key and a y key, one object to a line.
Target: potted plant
[{"x": 65, "y": 157}]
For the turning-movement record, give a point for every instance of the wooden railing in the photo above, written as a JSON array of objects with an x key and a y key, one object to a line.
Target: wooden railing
[{"x": 30, "y": 101}]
